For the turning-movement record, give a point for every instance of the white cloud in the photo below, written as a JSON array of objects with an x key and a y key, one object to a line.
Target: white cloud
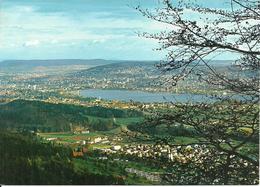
[
  {"x": 27, "y": 9},
  {"x": 23, "y": 26},
  {"x": 32, "y": 43}
]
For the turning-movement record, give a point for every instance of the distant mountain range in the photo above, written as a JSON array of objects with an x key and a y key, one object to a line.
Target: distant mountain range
[
  {"x": 55, "y": 62},
  {"x": 31, "y": 65}
]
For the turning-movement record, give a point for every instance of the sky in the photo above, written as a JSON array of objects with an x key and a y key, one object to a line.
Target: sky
[{"x": 78, "y": 29}]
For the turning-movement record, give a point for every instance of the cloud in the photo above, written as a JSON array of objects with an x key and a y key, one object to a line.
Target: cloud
[
  {"x": 23, "y": 26},
  {"x": 32, "y": 43},
  {"x": 27, "y": 9}
]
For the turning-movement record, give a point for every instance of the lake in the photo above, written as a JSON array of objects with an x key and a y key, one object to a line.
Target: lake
[{"x": 141, "y": 96}]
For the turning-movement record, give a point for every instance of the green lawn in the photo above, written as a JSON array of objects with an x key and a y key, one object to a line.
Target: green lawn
[{"x": 69, "y": 137}]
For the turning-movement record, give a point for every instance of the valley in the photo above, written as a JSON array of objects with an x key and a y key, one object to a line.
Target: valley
[{"x": 95, "y": 119}]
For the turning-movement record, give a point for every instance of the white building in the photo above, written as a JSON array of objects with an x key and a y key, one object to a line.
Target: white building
[
  {"x": 83, "y": 142},
  {"x": 51, "y": 139},
  {"x": 98, "y": 139},
  {"x": 117, "y": 147}
]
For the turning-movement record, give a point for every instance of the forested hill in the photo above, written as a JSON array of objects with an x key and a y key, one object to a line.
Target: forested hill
[
  {"x": 48, "y": 117},
  {"x": 24, "y": 160}
]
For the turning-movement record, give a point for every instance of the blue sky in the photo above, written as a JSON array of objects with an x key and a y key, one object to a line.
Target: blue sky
[{"x": 78, "y": 29}]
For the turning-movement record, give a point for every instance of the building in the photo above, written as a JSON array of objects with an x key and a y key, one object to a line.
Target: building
[
  {"x": 85, "y": 132},
  {"x": 117, "y": 147}
]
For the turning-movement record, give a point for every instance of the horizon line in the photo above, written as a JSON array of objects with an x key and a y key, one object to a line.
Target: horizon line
[{"x": 2, "y": 60}]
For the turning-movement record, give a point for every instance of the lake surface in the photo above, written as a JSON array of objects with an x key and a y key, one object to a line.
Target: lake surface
[{"x": 141, "y": 96}]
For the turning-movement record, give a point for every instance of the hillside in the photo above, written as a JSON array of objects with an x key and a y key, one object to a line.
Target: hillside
[
  {"x": 34, "y": 65},
  {"x": 138, "y": 75},
  {"x": 47, "y": 117},
  {"x": 25, "y": 160}
]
